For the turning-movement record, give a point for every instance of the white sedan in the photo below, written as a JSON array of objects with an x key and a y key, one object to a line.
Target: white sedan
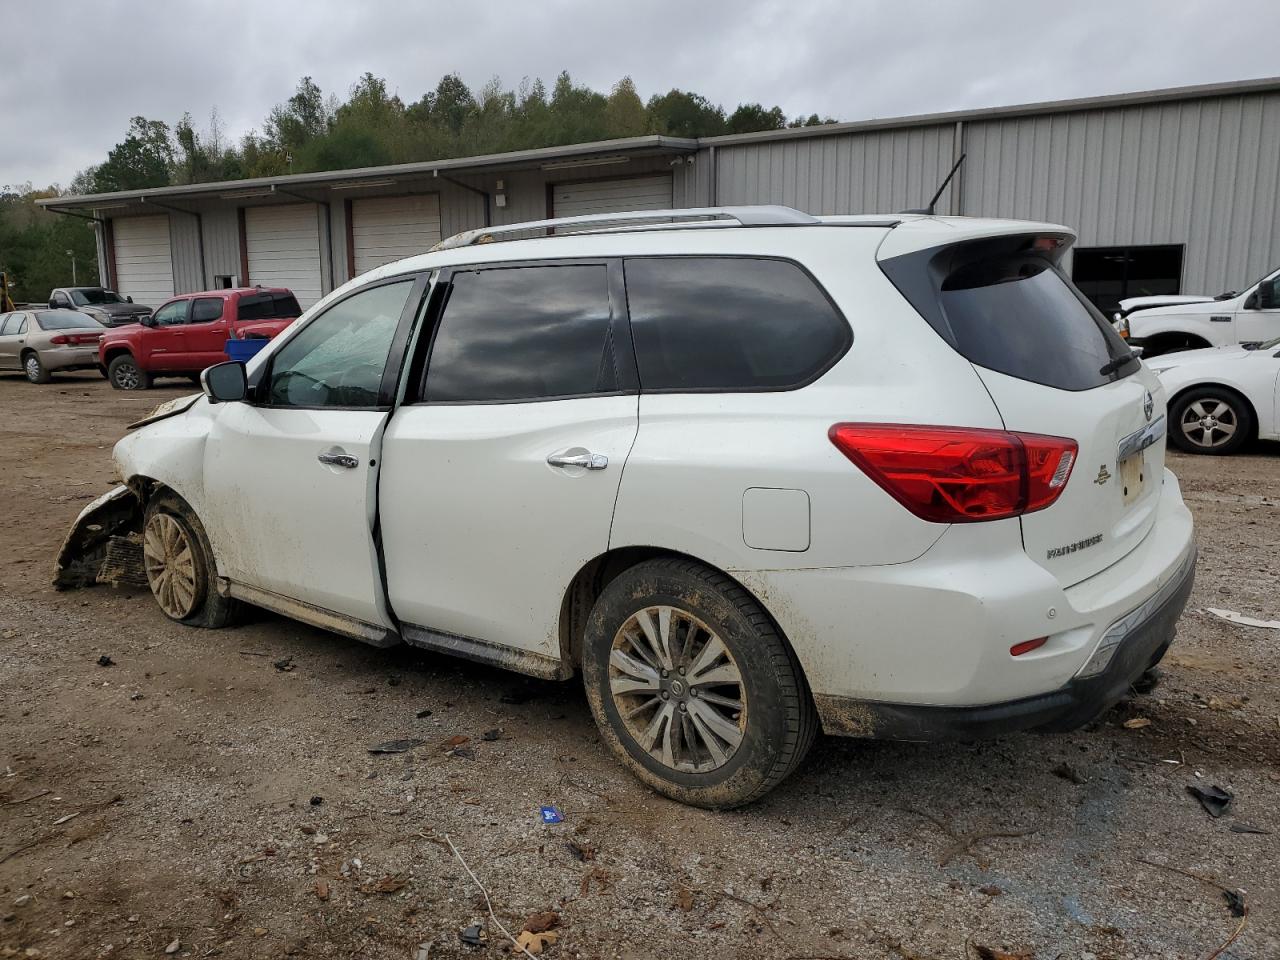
[{"x": 1222, "y": 396}]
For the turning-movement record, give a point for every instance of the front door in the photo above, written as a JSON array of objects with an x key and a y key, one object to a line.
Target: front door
[
  {"x": 501, "y": 470},
  {"x": 291, "y": 477},
  {"x": 1254, "y": 324},
  {"x": 165, "y": 343}
]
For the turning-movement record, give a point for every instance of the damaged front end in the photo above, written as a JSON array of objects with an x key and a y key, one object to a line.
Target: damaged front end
[{"x": 104, "y": 544}]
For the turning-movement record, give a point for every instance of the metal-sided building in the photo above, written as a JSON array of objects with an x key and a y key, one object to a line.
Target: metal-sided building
[{"x": 1173, "y": 190}]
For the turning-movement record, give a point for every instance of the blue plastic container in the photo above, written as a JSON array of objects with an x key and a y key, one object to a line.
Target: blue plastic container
[{"x": 244, "y": 350}]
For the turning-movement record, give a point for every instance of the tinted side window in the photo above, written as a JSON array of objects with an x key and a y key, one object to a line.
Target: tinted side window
[
  {"x": 5, "y": 320},
  {"x": 268, "y": 306},
  {"x": 337, "y": 359},
  {"x": 1018, "y": 315},
  {"x": 206, "y": 309},
  {"x": 523, "y": 333},
  {"x": 730, "y": 323}
]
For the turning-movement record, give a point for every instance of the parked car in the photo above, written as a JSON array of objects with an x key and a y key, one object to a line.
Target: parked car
[
  {"x": 1222, "y": 397},
  {"x": 40, "y": 342},
  {"x": 1229, "y": 318},
  {"x": 890, "y": 476},
  {"x": 190, "y": 332},
  {"x": 105, "y": 306}
]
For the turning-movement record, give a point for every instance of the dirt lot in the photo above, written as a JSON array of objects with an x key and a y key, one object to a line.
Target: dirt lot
[{"x": 195, "y": 794}]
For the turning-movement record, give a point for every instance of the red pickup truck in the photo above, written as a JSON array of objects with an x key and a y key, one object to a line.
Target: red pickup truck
[{"x": 190, "y": 332}]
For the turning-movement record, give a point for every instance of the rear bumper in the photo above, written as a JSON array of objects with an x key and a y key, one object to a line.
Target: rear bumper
[
  {"x": 1072, "y": 706},
  {"x": 67, "y": 358}
]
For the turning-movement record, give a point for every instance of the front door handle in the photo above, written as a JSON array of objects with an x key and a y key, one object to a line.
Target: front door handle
[
  {"x": 592, "y": 461},
  {"x": 339, "y": 460}
]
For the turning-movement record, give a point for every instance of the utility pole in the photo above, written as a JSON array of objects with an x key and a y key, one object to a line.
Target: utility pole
[{"x": 71, "y": 254}]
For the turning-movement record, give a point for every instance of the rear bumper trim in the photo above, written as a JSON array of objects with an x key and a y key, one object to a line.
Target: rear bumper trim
[{"x": 1072, "y": 706}]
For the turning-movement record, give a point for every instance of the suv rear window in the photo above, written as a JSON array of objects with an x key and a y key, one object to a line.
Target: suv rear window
[
  {"x": 1006, "y": 309},
  {"x": 730, "y": 324},
  {"x": 268, "y": 306}
]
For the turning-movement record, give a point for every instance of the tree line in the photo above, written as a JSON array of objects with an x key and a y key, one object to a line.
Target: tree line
[{"x": 312, "y": 131}]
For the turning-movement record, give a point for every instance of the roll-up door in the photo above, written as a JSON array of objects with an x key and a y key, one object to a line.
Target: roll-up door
[
  {"x": 144, "y": 262},
  {"x": 385, "y": 229},
  {"x": 284, "y": 249},
  {"x": 611, "y": 196}
]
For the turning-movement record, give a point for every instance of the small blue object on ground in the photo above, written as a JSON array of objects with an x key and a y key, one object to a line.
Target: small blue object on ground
[
  {"x": 551, "y": 815},
  {"x": 244, "y": 350}
]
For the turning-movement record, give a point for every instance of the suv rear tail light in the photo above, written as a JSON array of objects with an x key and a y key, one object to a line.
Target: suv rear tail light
[{"x": 957, "y": 474}]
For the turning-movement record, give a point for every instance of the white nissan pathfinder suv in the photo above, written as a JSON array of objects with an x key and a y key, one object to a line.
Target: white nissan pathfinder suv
[{"x": 751, "y": 472}]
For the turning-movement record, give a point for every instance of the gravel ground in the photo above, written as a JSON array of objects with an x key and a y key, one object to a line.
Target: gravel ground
[{"x": 232, "y": 808}]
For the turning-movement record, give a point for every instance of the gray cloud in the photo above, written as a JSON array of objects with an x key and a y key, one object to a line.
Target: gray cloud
[{"x": 70, "y": 79}]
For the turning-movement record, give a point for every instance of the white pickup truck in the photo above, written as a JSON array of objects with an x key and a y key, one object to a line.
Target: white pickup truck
[{"x": 1247, "y": 317}]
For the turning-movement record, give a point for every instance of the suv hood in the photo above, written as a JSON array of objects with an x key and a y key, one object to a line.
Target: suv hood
[
  {"x": 1146, "y": 303},
  {"x": 120, "y": 309}
]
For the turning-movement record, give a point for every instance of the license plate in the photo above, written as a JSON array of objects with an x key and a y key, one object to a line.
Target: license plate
[{"x": 1133, "y": 476}]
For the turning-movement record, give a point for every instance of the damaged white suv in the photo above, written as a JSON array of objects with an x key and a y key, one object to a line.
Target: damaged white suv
[{"x": 750, "y": 471}]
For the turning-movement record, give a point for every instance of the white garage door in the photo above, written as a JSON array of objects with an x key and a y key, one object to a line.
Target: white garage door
[
  {"x": 144, "y": 264},
  {"x": 612, "y": 196},
  {"x": 284, "y": 249},
  {"x": 385, "y": 229}
]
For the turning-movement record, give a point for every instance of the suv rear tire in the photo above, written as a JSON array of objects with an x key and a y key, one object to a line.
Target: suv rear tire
[
  {"x": 180, "y": 567},
  {"x": 125, "y": 374},
  {"x": 1212, "y": 420},
  {"x": 692, "y": 685}
]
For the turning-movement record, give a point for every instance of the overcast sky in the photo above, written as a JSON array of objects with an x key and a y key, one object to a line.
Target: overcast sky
[{"x": 73, "y": 73}]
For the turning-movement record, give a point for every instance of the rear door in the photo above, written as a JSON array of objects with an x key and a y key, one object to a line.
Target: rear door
[
  {"x": 1054, "y": 366},
  {"x": 9, "y": 340},
  {"x": 500, "y": 472},
  {"x": 206, "y": 333}
]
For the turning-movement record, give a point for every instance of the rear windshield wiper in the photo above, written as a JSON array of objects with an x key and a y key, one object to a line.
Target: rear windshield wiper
[{"x": 1111, "y": 366}]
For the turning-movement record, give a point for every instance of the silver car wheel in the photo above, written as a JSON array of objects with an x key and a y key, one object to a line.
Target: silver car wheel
[
  {"x": 32, "y": 367},
  {"x": 1209, "y": 423},
  {"x": 678, "y": 689},
  {"x": 127, "y": 376},
  {"x": 169, "y": 559}
]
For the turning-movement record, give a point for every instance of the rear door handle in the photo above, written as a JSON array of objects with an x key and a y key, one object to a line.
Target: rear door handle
[
  {"x": 592, "y": 461},
  {"x": 339, "y": 460}
]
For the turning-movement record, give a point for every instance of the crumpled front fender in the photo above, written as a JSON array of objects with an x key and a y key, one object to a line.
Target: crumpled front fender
[{"x": 115, "y": 518}]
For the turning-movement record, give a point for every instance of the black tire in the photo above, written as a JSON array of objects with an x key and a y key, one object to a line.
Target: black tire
[
  {"x": 1214, "y": 405},
  {"x": 779, "y": 721},
  {"x": 207, "y": 608},
  {"x": 125, "y": 374},
  {"x": 36, "y": 371}
]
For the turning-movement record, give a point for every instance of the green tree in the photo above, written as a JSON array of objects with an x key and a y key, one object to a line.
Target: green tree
[
  {"x": 141, "y": 160},
  {"x": 624, "y": 114},
  {"x": 301, "y": 119},
  {"x": 753, "y": 118},
  {"x": 681, "y": 114},
  {"x": 34, "y": 245}
]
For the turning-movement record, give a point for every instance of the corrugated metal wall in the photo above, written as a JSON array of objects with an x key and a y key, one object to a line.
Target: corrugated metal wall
[
  {"x": 184, "y": 241},
  {"x": 876, "y": 172},
  {"x": 1205, "y": 173},
  {"x": 221, "y": 244}
]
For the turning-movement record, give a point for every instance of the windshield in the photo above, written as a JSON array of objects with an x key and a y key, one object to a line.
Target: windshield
[
  {"x": 66, "y": 320},
  {"x": 83, "y": 298}
]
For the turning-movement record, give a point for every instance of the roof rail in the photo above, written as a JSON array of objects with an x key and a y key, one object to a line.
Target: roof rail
[{"x": 759, "y": 216}]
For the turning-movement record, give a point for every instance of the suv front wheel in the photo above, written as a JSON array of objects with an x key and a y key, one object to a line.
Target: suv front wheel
[
  {"x": 692, "y": 686},
  {"x": 179, "y": 565},
  {"x": 125, "y": 374}
]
